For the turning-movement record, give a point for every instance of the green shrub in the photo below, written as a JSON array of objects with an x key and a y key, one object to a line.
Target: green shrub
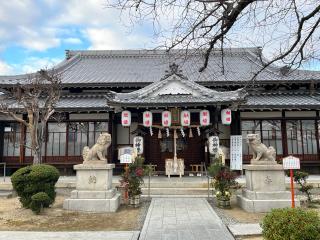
[
  {"x": 33, "y": 179},
  {"x": 39, "y": 201},
  {"x": 291, "y": 224}
]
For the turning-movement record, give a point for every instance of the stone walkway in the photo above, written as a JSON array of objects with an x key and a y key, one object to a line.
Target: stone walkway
[
  {"x": 116, "y": 235},
  {"x": 183, "y": 219}
]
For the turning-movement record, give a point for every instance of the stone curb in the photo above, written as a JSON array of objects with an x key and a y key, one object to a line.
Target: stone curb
[
  {"x": 108, "y": 235},
  {"x": 243, "y": 229}
]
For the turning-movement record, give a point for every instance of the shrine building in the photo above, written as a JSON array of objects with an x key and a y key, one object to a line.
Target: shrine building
[{"x": 179, "y": 114}]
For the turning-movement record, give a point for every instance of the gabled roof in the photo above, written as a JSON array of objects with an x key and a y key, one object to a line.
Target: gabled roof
[
  {"x": 141, "y": 67},
  {"x": 173, "y": 90}
]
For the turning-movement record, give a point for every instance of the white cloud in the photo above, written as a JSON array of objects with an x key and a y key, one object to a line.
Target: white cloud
[
  {"x": 39, "y": 40},
  {"x": 72, "y": 40},
  {"x": 5, "y": 69},
  {"x": 103, "y": 38},
  {"x": 33, "y": 64}
]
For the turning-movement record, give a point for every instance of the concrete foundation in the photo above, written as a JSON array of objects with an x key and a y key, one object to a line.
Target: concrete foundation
[
  {"x": 94, "y": 192},
  {"x": 265, "y": 189}
]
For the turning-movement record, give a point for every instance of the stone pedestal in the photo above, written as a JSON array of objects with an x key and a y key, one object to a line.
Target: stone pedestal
[
  {"x": 265, "y": 189},
  {"x": 94, "y": 192}
]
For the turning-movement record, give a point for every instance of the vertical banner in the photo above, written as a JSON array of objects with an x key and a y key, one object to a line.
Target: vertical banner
[
  {"x": 185, "y": 118},
  {"x": 236, "y": 152},
  {"x": 138, "y": 144},
  {"x": 126, "y": 118},
  {"x": 213, "y": 142},
  {"x": 226, "y": 116},
  {"x": 204, "y": 118},
  {"x": 147, "y": 119},
  {"x": 166, "y": 118}
]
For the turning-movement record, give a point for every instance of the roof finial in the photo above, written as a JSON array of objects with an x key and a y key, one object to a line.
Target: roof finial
[{"x": 173, "y": 69}]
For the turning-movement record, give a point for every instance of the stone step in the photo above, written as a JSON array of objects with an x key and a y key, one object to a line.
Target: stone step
[
  {"x": 176, "y": 191},
  {"x": 5, "y": 194}
]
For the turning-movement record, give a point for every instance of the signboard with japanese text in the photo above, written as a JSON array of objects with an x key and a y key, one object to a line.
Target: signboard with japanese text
[
  {"x": 236, "y": 152},
  {"x": 185, "y": 118},
  {"x": 213, "y": 143},
  {"x": 147, "y": 119},
  {"x": 204, "y": 118},
  {"x": 138, "y": 144},
  {"x": 125, "y": 154},
  {"x": 166, "y": 118},
  {"x": 291, "y": 162},
  {"x": 226, "y": 116},
  {"x": 126, "y": 118}
]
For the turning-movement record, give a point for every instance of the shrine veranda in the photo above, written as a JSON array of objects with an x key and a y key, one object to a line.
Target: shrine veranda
[{"x": 179, "y": 114}]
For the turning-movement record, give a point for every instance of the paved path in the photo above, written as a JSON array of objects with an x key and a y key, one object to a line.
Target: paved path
[
  {"x": 183, "y": 219},
  {"x": 121, "y": 235}
]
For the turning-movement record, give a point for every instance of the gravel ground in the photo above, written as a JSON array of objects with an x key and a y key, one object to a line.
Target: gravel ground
[{"x": 226, "y": 219}]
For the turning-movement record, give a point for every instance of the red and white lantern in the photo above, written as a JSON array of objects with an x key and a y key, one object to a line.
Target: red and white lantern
[
  {"x": 147, "y": 119},
  {"x": 204, "y": 117},
  {"x": 126, "y": 118},
  {"x": 166, "y": 119},
  {"x": 185, "y": 118},
  {"x": 226, "y": 116}
]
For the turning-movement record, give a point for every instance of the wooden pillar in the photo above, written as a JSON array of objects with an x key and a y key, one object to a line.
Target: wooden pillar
[
  {"x": 284, "y": 134},
  {"x": 23, "y": 134},
  {"x": 235, "y": 127},
  {"x": 1, "y": 140},
  {"x": 317, "y": 135}
]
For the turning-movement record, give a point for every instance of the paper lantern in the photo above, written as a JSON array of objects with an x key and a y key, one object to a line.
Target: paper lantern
[
  {"x": 147, "y": 119},
  {"x": 204, "y": 118},
  {"x": 226, "y": 116},
  {"x": 213, "y": 143},
  {"x": 185, "y": 118},
  {"x": 126, "y": 118},
  {"x": 166, "y": 118},
  {"x": 138, "y": 144}
]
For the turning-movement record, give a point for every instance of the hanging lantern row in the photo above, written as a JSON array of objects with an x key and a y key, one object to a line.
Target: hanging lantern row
[{"x": 185, "y": 118}]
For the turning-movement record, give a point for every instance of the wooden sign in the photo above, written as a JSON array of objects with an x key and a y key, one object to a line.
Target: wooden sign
[
  {"x": 138, "y": 144},
  {"x": 204, "y": 118},
  {"x": 213, "y": 142},
  {"x": 226, "y": 116},
  {"x": 236, "y": 152},
  {"x": 166, "y": 118},
  {"x": 185, "y": 118},
  {"x": 147, "y": 119},
  {"x": 126, "y": 118},
  {"x": 291, "y": 162},
  {"x": 175, "y": 116}
]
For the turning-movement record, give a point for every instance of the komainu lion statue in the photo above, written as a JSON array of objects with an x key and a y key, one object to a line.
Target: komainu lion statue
[
  {"x": 98, "y": 151},
  {"x": 261, "y": 153}
]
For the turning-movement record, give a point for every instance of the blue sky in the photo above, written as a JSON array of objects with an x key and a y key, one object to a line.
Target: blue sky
[{"x": 35, "y": 33}]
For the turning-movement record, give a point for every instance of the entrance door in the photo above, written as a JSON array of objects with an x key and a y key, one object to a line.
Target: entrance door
[{"x": 158, "y": 149}]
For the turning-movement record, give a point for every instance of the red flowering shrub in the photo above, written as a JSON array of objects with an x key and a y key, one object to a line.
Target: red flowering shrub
[{"x": 132, "y": 179}]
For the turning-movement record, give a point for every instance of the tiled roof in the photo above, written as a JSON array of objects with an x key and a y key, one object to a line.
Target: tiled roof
[
  {"x": 283, "y": 100},
  {"x": 174, "y": 89},
  {"x": 113, "y": 67},
  {"x": 82, "y": 102}
]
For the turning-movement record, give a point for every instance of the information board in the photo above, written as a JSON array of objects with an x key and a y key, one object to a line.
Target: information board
[
  {"x": 125, "y": 154},
  {"x": 236, "y": 152},
  {"x": 291, "y": 162}
]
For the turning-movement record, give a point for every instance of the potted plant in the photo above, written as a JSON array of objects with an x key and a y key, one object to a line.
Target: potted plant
[
  {"x": 132, "y": 179},
  {"x": 223, "y": 181}
]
